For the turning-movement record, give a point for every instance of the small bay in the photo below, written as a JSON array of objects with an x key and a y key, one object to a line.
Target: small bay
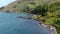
[{"x": 11, "y": 24}]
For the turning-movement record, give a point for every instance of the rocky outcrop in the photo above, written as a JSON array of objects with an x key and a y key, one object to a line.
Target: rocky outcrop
[{"x": 53, "y": 30}]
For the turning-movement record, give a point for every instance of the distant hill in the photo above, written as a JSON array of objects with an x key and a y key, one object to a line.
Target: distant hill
[
  {"x": 1, "y": 9},
  {"x": 19, "y": 5}
]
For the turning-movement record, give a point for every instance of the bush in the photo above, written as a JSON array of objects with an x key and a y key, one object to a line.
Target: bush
[{"x": 51, "y": 14}]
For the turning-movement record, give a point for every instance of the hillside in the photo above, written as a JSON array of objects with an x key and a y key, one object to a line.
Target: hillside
[
  {"x": 47, "y": 11},
  {"x": 20, "y": 5}
]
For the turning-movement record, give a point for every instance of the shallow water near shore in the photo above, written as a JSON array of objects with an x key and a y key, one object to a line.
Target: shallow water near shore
[{"x": 10, "y": 24}]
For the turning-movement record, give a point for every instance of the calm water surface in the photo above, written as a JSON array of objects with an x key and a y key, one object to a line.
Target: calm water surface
[{"x": 10, "y": 24}]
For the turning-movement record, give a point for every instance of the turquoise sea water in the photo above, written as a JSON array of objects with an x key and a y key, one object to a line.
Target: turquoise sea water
[{"x": 10, "y": 24}]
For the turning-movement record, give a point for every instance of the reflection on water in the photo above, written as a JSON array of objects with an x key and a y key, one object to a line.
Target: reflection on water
[{"x": 9, "y": 24}]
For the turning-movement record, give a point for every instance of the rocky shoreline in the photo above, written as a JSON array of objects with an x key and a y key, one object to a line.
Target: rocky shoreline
[{"x": 51, "y": 28}]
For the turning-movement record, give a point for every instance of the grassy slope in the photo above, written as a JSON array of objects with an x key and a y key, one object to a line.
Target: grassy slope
[{"x": 18, "y": 5}]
